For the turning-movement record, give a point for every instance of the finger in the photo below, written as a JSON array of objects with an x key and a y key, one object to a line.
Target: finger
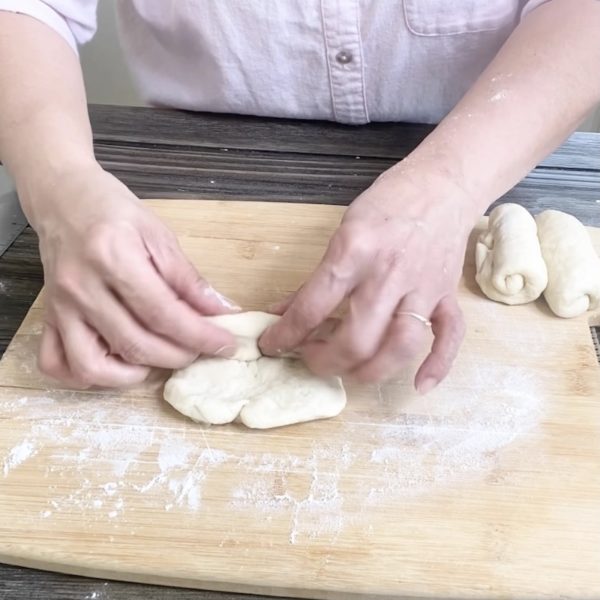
[
  {"x": 449, "y": 328},
  {"x": 89, "y": 360},
  {"x": 156, "y": 306},
  {"x": 278, "y": 308},
  {"x": 52, "y": 360},
  {"x": 325, "y": 330},
  {"x": 321, "y": 333},
  {"x": 179, "y": 273},
  {"x": 312, "y": 304},
  {"x": 361, "y": 331},
  {"x": 403, "y": 340},
  {"x": 130, "y": 340}
]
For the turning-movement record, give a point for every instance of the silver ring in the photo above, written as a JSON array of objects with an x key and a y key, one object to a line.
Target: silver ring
[{"x": 414, "y": 315}]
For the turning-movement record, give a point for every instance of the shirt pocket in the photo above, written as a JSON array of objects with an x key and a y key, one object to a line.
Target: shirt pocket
[{"x": 455, "y": 17}]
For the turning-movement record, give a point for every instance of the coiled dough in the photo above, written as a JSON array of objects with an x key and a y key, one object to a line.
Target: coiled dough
[
  {"x": 573, "y": 265},
  {"x": 508, "y": 258}
]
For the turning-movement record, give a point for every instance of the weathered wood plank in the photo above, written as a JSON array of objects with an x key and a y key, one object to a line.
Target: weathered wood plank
[{"x": 390, "y": 140}]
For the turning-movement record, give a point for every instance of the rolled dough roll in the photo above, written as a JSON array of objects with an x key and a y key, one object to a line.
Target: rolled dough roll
[
  {"x": 508, "y": 258},
  {"x": 573, "y": 265},
  {"x": 259, "y": 391}
]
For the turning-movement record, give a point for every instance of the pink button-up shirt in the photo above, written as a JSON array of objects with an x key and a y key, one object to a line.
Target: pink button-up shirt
[{"x": 352, "y": 61}]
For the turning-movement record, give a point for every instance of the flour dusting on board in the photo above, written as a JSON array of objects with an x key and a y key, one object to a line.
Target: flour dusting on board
[
  {"x": 17, "y": 455},
  {"x": 122, "y": 456}
]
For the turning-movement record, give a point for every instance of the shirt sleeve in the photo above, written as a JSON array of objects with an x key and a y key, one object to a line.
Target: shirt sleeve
[
  {"x": 74, "y": 20},
  {"x": 531, "y": 5}
]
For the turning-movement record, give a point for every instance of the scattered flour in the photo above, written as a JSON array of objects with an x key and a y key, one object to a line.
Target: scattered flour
[
  {"x": 18, "y": 455},
  {"x": 117, "y": 452},
  {"x": 498, "y": 96}
]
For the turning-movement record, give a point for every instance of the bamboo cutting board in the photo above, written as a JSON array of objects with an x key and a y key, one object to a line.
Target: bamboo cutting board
[{"x": 488, "y": 487}]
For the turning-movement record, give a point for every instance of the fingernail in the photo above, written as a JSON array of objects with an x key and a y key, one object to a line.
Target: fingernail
[
  {"x": 225, "y": 351},
  {"x": 226, "y": 302},
  {"x": 427, "y": 385},
  {"x": 276, "y": 352}
]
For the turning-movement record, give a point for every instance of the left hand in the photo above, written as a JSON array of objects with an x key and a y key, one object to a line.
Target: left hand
[{"x": 399, "y": 249}]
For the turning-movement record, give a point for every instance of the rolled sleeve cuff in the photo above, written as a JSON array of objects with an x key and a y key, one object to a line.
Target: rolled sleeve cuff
[
  {"x": 532, "y": 5},
  {"x": 44, "y": 13}
]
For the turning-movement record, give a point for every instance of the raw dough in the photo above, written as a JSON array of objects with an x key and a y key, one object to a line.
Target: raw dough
[
  {"x": 508, "y": 258},
  {"x": 573, "y": 265},
  {"x": 246, "y": 328},
  {"x": 260, "y": 391}
]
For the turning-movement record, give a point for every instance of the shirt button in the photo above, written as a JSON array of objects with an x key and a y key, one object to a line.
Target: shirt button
[{"x": 344, "y": 57}]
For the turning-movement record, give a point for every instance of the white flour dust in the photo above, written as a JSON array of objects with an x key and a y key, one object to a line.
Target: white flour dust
[
  {"x": 17, "y": 455},
  {"x": 316, "y": 509},
  {"x": 498, "y": 96},
  {"x": 121, "y": 456}
]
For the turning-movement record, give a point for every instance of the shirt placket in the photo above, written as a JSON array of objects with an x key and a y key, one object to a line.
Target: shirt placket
[{"x": 341, "y": 29}]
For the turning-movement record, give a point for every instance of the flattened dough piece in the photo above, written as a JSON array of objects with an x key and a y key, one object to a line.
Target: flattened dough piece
[
  {"x": 573, "y": 265},
  {"x": 510, "y": 266},
  {"x": 290, "y": 393},
  {"x": 212, "y": 390},
  {"x": 259, "y": 391}
]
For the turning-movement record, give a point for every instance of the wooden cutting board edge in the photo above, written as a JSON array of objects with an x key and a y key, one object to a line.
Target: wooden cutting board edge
[{"x": 85, "y": 566}]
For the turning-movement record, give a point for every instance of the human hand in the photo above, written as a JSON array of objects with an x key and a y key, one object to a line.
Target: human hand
[
  {"x": 398, "y": 250},
  {"x": 120, "y": 295}
]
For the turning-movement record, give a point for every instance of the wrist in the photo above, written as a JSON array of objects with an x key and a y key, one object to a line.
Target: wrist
[
  {"x": 437, "y": 187},
  {"x": 37, "y": 184}
]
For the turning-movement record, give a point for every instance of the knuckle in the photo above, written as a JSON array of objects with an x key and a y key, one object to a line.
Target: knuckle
[
  {"x": 355, "y": 352},
  {"x": 48, "y": 365},
  {"x": 349, "y": 248},
  {"x": 356, "y": 240},
  {"x": 165, "y": 250},
  {"x": 87, "y": 373},
  {"x": 407, "y": 340},
  {"x": 190, "y": 278},
  {"x": 66, "y": 281},
  {"x": 132, "y": 352},
  {"x": 98, "y": 244},
  {"x": 158, "y": 319}
]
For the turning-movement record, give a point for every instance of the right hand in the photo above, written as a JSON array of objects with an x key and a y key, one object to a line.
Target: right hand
[{"x": 120, "y": 294}]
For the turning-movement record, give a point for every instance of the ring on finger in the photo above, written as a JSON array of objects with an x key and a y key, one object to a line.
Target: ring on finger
[{"x": 414, "y": 315}]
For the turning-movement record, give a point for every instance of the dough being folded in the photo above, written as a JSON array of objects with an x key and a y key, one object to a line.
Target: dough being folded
[
  {"x": 573, "y": 265},
  {"x": 508, "y": 258},
  {"x": 246, "y": 328},
  {"x": 259, "y": 391}
]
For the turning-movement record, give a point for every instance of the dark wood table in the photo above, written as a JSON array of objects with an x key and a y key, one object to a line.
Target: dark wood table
[{"x": 174, "y": 154}]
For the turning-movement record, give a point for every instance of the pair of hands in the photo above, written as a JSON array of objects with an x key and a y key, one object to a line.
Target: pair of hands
[{"x": 121, "y": 297}]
